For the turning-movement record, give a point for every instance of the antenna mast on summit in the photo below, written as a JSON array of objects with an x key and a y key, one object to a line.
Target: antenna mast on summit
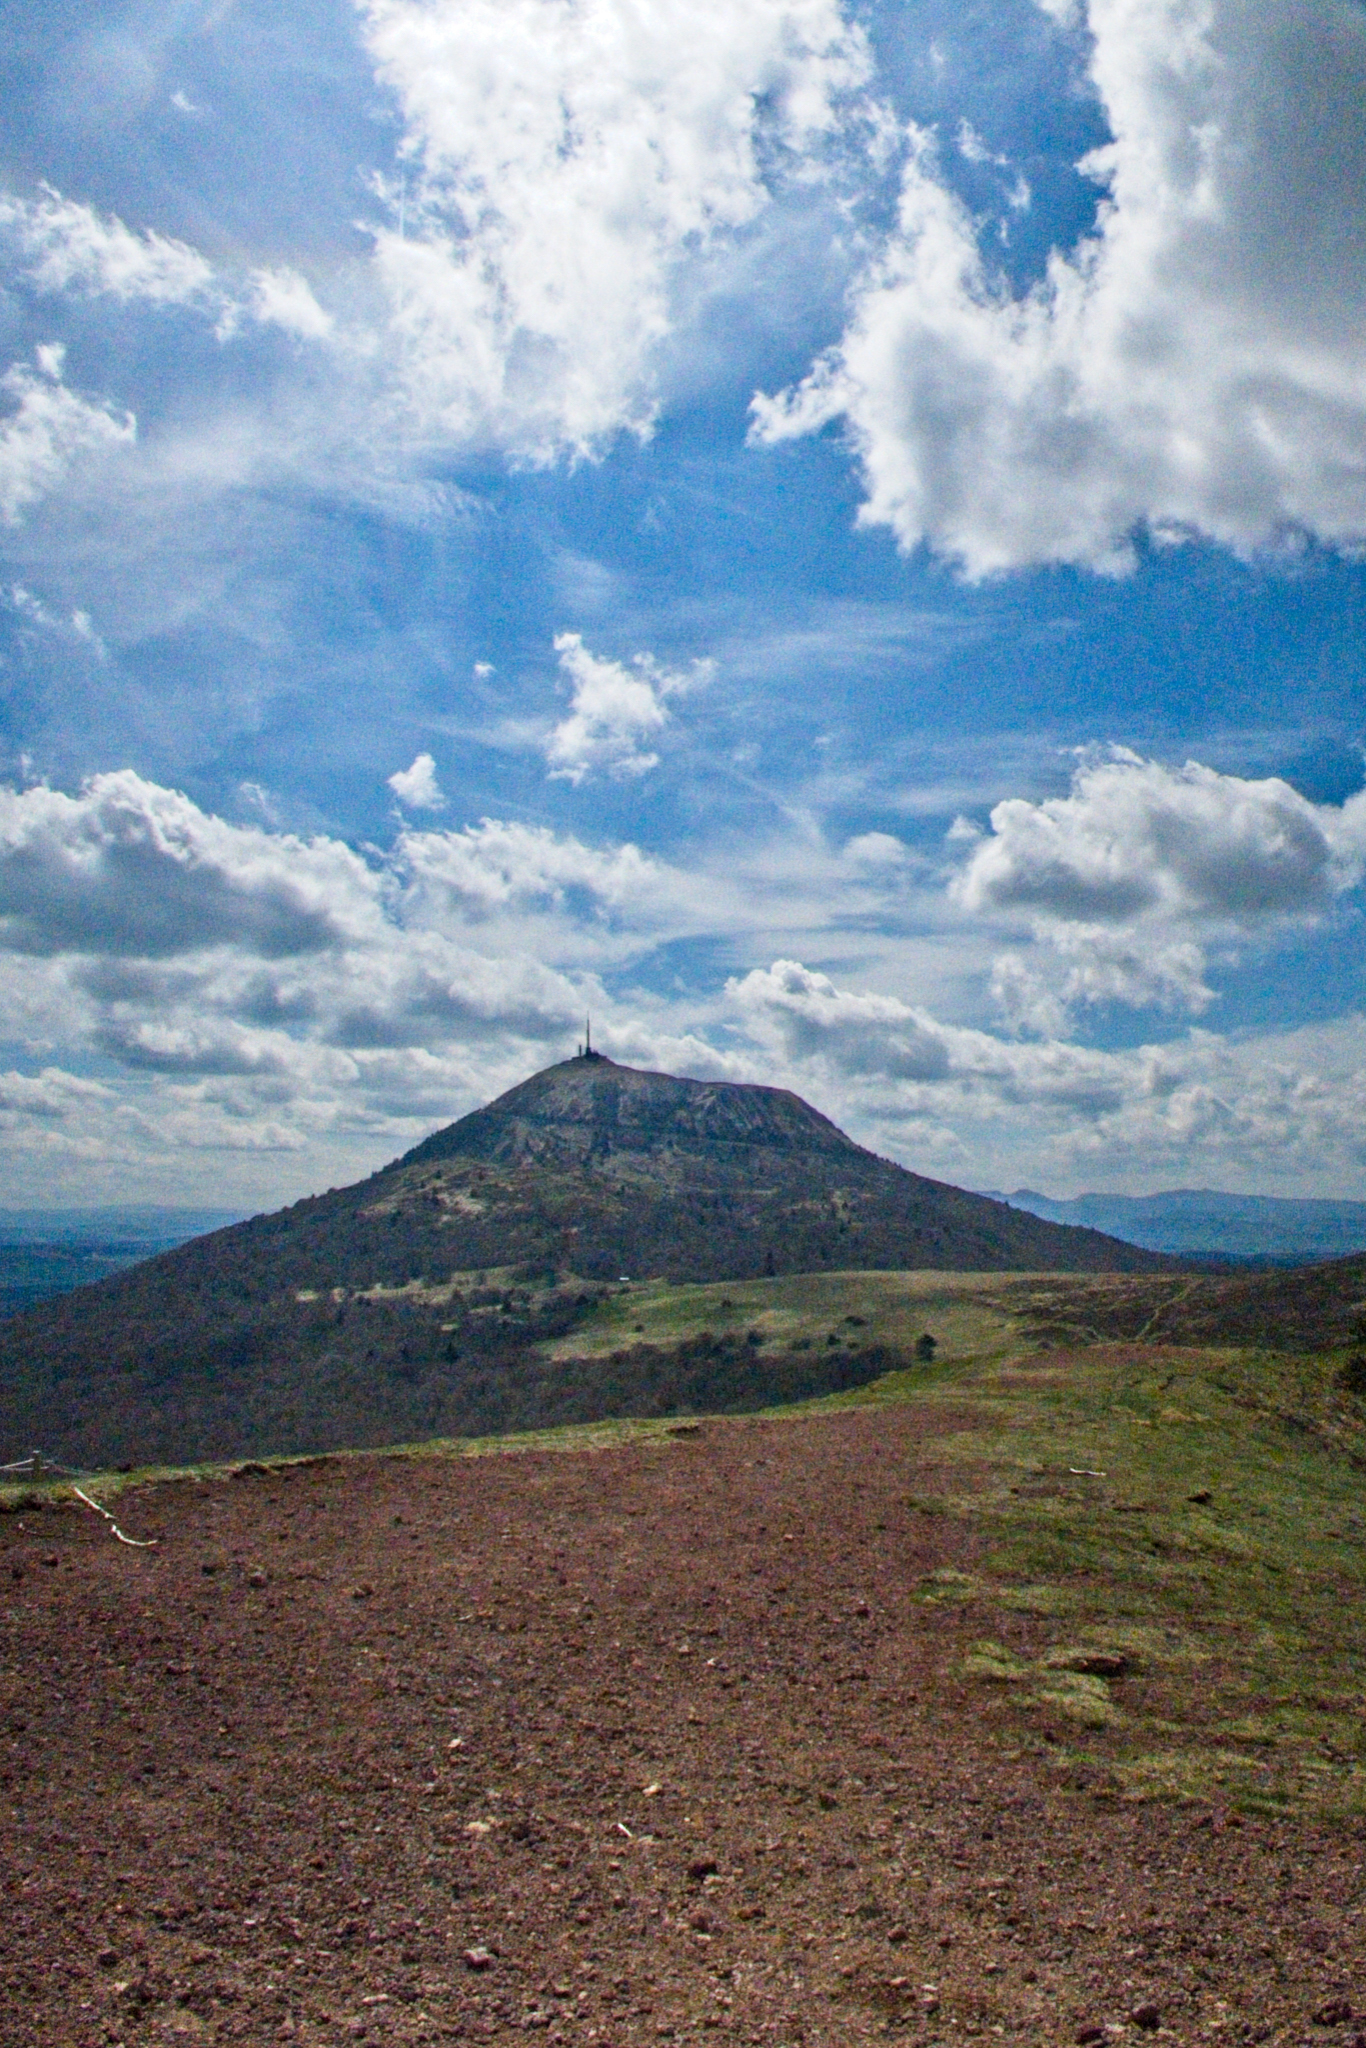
[{"x": 588, "y": 1038}]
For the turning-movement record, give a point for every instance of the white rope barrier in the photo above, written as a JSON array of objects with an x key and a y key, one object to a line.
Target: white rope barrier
[{"x": 133, "y": 1542}]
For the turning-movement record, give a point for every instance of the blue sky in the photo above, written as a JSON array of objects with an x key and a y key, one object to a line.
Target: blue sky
[{"x": 830, "y": 535}]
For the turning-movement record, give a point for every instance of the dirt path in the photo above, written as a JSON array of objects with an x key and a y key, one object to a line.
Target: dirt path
[{"x": 664, "y": 1743}]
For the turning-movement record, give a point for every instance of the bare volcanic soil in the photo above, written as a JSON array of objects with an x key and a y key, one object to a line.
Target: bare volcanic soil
[{"x": 663, "y": 1742}]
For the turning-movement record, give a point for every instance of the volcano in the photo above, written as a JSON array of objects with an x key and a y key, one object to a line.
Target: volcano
[
  {"x": 614, "y": 1170},
  {"x": 413, "y": 1303}
]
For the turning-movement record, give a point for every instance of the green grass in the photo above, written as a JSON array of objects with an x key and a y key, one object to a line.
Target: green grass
[
  {"x": 891, "y": 1308},
  {"x": 1238, "y": 1614}
]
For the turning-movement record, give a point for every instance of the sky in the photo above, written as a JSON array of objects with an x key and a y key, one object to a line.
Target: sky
[{"x": 829, "y": 536}]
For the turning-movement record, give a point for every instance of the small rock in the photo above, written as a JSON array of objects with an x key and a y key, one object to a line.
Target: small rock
[
  {"x": 1332, "y": 2012},
  {"x": 1085, "y": 2035},
  {"x": 363, "y": 1592},
  {"x": 1200, "y": 1498},
  {"x": 896, "y": 1934},
  {"x": 702, "y": 1866},
  {"x": 479, "y": 1958},
  {"x": 51, "y": 1558},
  {"x": 1146, "y": 2016},
  {"x": 107, "y": 1957},
  {"x": 1090, "y": 1663}
]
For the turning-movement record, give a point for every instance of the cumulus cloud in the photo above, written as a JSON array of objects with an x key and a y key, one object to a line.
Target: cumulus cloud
[
  {"x": 1125, "y": 880},
  {"x": 564, "y": 162},
  {"x": 1196, "y": 364},
  {"x": 127, "y": 867},
  {"x": 857, "y": 1034},
  {"x": 182, "y": 946},
  {"x": 1135, "y": 837},
  {"x": 417, "y": 787},
  {"x": 615, "y": 712},
  {"x": 47, "y": 429},
  {"x": 259, "y": 993}
]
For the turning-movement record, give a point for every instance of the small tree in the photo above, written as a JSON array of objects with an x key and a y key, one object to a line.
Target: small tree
[{"x": 925, "y": 1348}]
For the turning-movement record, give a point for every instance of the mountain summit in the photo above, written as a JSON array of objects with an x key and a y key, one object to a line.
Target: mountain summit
[
  {"x": 612, "y": 1169},
  {"x": 414, "y": 1302},
  {"x": 588, "y": 1112}
]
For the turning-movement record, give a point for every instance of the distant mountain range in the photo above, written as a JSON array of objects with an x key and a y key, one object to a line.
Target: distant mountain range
[
  {"x": 413, "y": 1303},
  {"x": 1202, "y": 1222}
]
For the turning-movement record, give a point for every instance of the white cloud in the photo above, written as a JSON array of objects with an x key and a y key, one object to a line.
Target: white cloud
[
  {"x": 289, "y": 1013},
  {"x": 1125, "y": 881},
  {"x": 497, "y": 865},
  {"x": 417, "y": 787},
  {"x": 564, "y": 164},
  {"x": 76, "y": 626},
  {"x": 879, "y": 853},
  {"x": 69, "y": 247},
  {"x": 259, "y": 993},
  {"x": 854, "y": 1034},
  {"x": 49, "y": 1094},
  {"x": 1135, "y": 837},
  {"x": 615, "y": 712},
  {"x": 1080, "y": 964},
  {"x": 284, "y": 298},
  {"x": 128, "y": 868},
  {"x": 1197, "y": 364},
  {"x": 49, "y": 428}
]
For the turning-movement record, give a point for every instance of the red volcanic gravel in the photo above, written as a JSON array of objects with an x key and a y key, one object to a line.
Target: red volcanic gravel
[{"x": 658, "y": 1743}]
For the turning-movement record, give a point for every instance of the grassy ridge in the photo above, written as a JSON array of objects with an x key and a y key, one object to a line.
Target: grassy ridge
[{"x": 1165, "y": 1553}]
